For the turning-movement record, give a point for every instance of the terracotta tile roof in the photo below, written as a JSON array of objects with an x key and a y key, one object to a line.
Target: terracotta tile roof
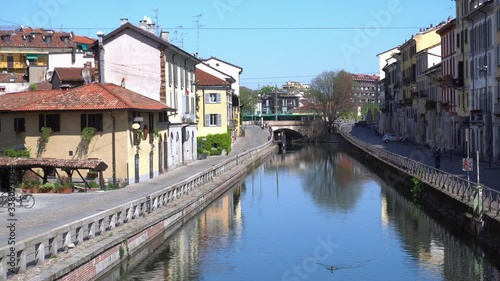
[
  {"x": 93, "y": 96},
  {"x": 36, "y": 38},
  {"x": 94, "y": 164},
  {"x": 44, "y": 85},
  {"x": 84, "y": 40},
  {"x": 16, "y": 78},
  {"x": 206, "y": 79}
]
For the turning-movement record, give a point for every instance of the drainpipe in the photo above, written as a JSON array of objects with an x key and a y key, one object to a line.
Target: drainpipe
[
  {"x": 100, "y": 34},
  {"x": 113, "y": 147}
]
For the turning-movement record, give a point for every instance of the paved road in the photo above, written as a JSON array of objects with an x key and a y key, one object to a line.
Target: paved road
[
  {"x": 489, "y": 177},
  {"x": 53, "y": 210}
]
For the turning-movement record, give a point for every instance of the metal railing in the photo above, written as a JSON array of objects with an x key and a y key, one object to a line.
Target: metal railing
[
  {"x": 37, "y": 249},
  {"x": 452, "y": 185}
]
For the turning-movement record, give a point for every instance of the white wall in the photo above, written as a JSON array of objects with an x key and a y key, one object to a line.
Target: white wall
[
  {"x": 228, "y": 69},
  {"x": 65, "y": 60},
  {"x": 136, "y": 59},
  {"x": 14, "y": 87}
]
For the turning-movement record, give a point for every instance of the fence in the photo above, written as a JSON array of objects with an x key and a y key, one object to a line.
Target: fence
[
  {"x": 35, "y": 250},
  {"x": 459, "y": 188}
]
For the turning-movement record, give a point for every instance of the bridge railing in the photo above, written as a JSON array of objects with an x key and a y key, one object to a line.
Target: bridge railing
[
  {"x": 38, "y": 249},
  {"x": 452, "y": 185}
]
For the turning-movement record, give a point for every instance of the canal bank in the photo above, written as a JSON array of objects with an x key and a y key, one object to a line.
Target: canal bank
[
  {"x": 439, "y": 193},
  {"x": 115, "y": 232}
]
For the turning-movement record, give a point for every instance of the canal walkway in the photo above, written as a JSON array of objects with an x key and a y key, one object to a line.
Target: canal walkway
[
  {"x": 55, "y": 210},
  {"x": 489, "y": 176}
]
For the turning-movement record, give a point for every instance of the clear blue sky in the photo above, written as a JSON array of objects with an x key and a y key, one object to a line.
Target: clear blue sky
[{"x": 274, "y": 41}]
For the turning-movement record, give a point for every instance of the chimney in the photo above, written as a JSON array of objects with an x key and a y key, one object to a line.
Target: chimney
[
  {"x": 100, "y": 51},
  {"x": 143, "y": 24},
  {"x": 123, "y": 21},
  {"x": 164, "y": 35}
]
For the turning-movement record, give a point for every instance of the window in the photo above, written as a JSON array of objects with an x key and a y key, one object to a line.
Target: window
[
  {"x": 91, "y": 120},
  {"x": 213, "y": 120},
  {"x": 19, "y": 125},
  {"x": 163, "y": 117},
  {"x": 2, "y": 89},
  {"x": 49, "y": 120},
  {"x": 212, "y": 98}
]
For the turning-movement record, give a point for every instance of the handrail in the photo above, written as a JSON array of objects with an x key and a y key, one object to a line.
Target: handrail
[
  {"x": 460, "y": 189},
  {"x": 37, "y": 249}
]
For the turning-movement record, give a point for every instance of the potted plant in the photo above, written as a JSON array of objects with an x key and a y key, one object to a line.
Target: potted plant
[
  {"x": 64, "y": 185},
  {"x": 47, "y": 187},
  {"x": 30, "y": 182}
]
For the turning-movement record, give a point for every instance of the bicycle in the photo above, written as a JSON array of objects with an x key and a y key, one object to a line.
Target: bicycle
[{"x": 25, "y": 200}]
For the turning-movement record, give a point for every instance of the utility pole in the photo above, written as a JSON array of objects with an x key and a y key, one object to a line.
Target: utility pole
[{"x": 198, "y": 25}]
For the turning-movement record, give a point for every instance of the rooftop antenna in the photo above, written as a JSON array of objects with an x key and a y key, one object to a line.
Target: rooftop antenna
[
  {"x": 198, "y": 25},
  {"x": 181, "y": 41},
  {"x": 157, "y": 22}
]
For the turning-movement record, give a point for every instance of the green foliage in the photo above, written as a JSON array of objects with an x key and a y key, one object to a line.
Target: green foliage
[
  {"x": 93, "y": 184},
  {"x": 88, "y": 133},
  {"x": 45, "y": 133},
  {"x": 248, "y": 100},
  {"x": 15, "y": 153},
  {"x": 156, "y": 133},
  {"x": 214, "y": 144},
  {"x": 47, "y": 187},
  {"x": 417, "y": 187},
  {"x": 33, "y": 87},
  {"x": 112, "y": 186}
]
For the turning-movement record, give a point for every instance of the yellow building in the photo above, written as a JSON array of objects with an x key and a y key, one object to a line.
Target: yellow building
[
  {"x": 31, "y": 47},
  {"x": 130, "y": 129},
  {"x": 214, "y": 101}
]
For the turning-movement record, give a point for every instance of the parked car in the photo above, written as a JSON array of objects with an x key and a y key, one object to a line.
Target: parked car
[{"x": 389, "y": 137}]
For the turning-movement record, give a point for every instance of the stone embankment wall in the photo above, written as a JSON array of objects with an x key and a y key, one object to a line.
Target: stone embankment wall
[
  {"x": 110, "y": 237},
  {"x": 441, "y": 195}
]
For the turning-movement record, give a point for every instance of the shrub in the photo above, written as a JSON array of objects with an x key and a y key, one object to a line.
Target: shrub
[
  {"x": 214, "y": 144},
  {"x": 47, "y": 187}
]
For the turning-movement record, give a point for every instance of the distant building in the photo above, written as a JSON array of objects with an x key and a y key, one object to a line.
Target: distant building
[{"x": 365, "y": 88}]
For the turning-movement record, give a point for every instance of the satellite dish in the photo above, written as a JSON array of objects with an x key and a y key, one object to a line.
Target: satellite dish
[{"x": 136, "y": 126}]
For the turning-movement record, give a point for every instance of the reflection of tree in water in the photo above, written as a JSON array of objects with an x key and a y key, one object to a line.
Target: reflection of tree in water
[{"x": 332, "y": 177}]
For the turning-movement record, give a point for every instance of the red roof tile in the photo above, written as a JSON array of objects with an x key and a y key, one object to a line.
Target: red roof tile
[
  {"x": 12, "y": 78},
  {"x": 71, "y": 73},
  {"x": 206, "y": 79},
  {"x": 36, "y": 38},
  {"x": 93, "y": 96},
  {"x": 84, "y": 40}
]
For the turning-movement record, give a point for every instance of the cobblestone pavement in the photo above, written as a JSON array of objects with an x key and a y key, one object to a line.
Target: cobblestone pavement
[
  {"x": 489, "y": 177},
  {"x": 53, "y": 210}
]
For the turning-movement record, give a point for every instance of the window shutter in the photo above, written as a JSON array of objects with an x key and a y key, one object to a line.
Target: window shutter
[
  {"x": 207, "y": 120},
  {"x": 219, "y": 119},
  {"x": 83, "y": 121},
  {"x": 218, "y": 98},
  {"x": 207, "y": 98},
  {"x": 41, "y": 121}
]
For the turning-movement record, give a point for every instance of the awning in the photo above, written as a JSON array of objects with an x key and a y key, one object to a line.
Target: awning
[
  {"x": 31, "y": 57},
  {"x": 84, "y": 47}
]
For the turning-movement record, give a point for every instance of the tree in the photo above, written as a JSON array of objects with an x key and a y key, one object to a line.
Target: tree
[
  {"x": 248, "y": 100},
  {"x": 330, "y": 95}
]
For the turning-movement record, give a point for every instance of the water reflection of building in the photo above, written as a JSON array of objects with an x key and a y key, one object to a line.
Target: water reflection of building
[
  {"x": 216, "y": 227},
  {"x": 430, "y": 244}
]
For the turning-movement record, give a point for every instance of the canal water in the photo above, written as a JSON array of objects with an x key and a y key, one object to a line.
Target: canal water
[{"x": 315, "y": 213}]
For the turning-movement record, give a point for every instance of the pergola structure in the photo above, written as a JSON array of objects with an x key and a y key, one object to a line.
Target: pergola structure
[{"x": 47, "y": 165}]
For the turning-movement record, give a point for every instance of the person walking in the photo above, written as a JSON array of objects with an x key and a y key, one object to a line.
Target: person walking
[{"x": 437, "y": 158}]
